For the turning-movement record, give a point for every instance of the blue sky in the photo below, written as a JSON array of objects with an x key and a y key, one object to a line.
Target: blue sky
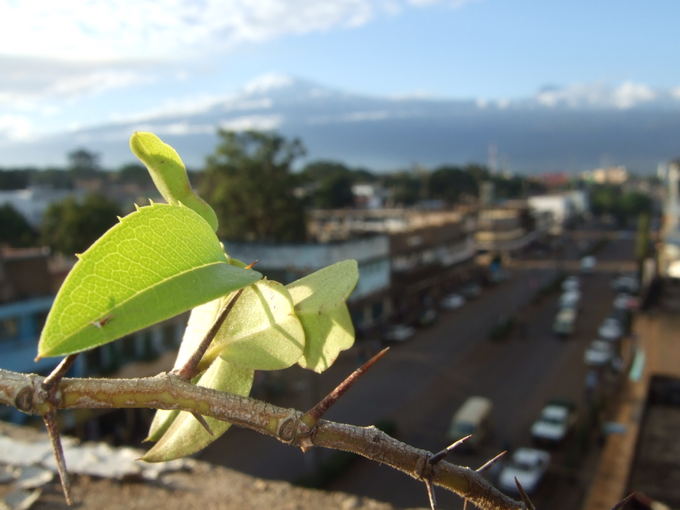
[{"x": 71, "y": 64}]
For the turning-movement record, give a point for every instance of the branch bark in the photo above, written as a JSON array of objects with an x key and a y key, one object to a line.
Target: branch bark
[{"x": 167, "y": 391}]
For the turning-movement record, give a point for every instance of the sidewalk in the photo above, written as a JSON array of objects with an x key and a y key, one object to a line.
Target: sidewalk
[{"x": 657, "y": 337}]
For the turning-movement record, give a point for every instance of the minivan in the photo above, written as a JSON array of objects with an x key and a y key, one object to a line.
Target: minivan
[{"x": 471, "y": 418}]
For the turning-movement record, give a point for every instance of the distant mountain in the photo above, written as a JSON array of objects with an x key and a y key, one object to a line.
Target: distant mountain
[{"x": 559, "y": 129}]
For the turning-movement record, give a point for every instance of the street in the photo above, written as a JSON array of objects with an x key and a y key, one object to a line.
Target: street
[{"x": 421, "y": 383}]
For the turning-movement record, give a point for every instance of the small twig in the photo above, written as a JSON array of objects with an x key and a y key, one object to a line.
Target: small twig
[
  {"x": 437, "y": 457},
  {"x": 189, "y": 369},
  {"x": 489, "y": 462},
  {"x": 201, "y": 419},
  {"x": 312, "y": 417},
  {"x": 50, "y": 420},
  {"x": 524, "y": 496},
  {"x": 52, "y": 380},
  {"x": 430, "y": 494}
]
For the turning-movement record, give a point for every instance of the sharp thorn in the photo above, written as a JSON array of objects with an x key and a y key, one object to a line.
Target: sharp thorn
[
  {"x": 311, "y": 417},
  {"x": 437, "y": 457},
  {"x": 430, "y": 495},
  {"x": 465, "y": 504},
  {"x": 489, "y": 462},
  {"x": 524, "y": 496},
  {"x": 200, "y": 419},
  {"x": 50, "y": 420}
]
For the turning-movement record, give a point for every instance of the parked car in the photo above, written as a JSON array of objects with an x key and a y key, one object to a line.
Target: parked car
[
  {"x": 571, "y": 283},
  {"x": 624, "y": 301},
  {"x": 626, "y": 283},
  {"x": 570, "y": 299},
  {"x": 471, "y": 290},
  {"x": 599, "y": 353},
  {"x": 588, "y": 264},
  {"x": 471, "y": 418},
  {"x": 565, "y": 321},
  {"x": 452, "y": 302},
  {"x": 610, "y": 329},
  {"x": 528, "y": 466},
  {"x": 427, "y": 317},
  {"x": 398, "y": 333},
  {"x": 555, "y": 422}
]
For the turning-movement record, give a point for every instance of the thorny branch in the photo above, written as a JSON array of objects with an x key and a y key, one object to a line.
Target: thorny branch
[{"x": 167, "y": 391}]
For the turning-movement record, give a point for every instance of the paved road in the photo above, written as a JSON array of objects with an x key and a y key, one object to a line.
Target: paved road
[
  {"x": 519, "y": 375},
  {"x": 421, "y": 383}
]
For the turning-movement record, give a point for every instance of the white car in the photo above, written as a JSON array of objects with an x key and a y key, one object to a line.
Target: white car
[
  {"x": 626, "y": 283},
  {"x": 452, "y": 302},
  {"x": 399, "y": 333},
  {"x": 570, "y": 299},
  {"x": 588, "y": 263},
  {"x": 598, "y": 353},
  {"x": 528, "y": 465},
  {"x": 571, "y": 283},
  {"x": 554, "y": 423},
  {"x": 564, "y": 321},
  {"x": 610, "y": 329},
  {"x": 625, "y": 301}
]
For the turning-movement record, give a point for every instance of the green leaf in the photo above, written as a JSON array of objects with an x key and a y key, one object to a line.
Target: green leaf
[
  {"x": 319, "y": 300},
  {"x": 154, "y": 264},
  {"x": 169, "y": 174},
  {"x": 183, "y": 434},
  {"x": 262, "y": 331}
]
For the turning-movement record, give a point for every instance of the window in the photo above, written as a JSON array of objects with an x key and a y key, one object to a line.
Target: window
[{"x": 9, "y": 328}]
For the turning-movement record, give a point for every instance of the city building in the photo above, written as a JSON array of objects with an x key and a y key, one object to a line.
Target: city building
[
  {"x": 431, "y": 251},
  {"x": 562, "y": 208},
  {"x": 669, "y": 250},
  {"x": 505, "y": 229}
]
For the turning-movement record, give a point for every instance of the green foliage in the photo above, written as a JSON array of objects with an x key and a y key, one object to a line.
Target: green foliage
[
  {"x": 330, "y": 184},
  {"x": 642, "y": 237},
  {"x": 262, "y": 332},
  {"x": 451, "y": 183},
  {"x": 15, "y": 178},
  {"x": 156, "y": 263},
  {"x": 71, "y": 226},
  {"x": 406, "y": 188},
  {"x": 164, "y": 259},
  {"x": 179, "y": 433},
  {"x": 83, "y": 163},
  {"x": 169, "y": 174},
  {"x": 623, "y": 206},
  {"x": 248, "y": 181},
  {"x": 15, "y": 229},
  {"x": 320, "y": 304},
  {"x": 133, "y": 173}
]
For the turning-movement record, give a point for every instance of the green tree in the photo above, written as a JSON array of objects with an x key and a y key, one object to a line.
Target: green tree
[
  {"x": 450, "y": 183},
  {"x": 71, "y": 226},
  {"x": 133, "y": 173},
  {"x": 249, "y": 182},
  {"x": 330, "y": 184},
  {"x": 83, "y": 163},
  {"x": 15, "y": 229}
]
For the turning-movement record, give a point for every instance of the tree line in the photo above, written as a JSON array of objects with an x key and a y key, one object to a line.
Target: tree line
[{"x": 259, "y": 188}]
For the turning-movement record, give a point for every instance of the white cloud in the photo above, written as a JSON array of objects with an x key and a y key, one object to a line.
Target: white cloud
[
  {"x": 256, "y": 122},
  {"x": 36, "y": 84},
  {"x": 15, "y": 127},
  {"x": 598, "y": 95},
  {"x": 103, "y": 29}
]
